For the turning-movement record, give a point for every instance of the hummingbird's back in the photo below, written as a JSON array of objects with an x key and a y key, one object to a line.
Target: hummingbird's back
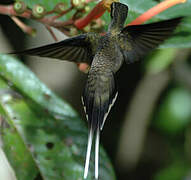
[{"x": 108, "y": 56}]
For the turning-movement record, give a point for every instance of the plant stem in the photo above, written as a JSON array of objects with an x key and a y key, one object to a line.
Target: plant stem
[
  {"x": 96, "y": 12},
  {"x": 51, "y": 32},
  {"x": 27, "y": 29},
  {"x": 61, "y": 14},
  {"x": 8, "y": 10}
]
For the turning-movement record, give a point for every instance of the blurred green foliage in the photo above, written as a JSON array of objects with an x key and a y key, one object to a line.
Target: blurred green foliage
[
  {"x": 175, "y": 111},
  {"x": 176, "y": 171},
  {"x": 44, "y": 136}
]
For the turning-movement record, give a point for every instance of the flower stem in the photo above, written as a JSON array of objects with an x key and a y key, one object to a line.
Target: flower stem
[
  {"x": 96, "y": 12},
  {"x": 27, "y": 29}
]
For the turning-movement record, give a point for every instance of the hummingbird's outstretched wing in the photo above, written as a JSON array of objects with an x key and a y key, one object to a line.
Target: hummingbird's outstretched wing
[
  {"x": 75, "y": 49},
  {"x": 144, "y": 38},
  {"x": 98, "y": 97}
]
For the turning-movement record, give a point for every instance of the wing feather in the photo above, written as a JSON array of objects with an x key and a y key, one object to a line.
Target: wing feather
[
  {"x": 76, "y": 49},
  {"x": 144, "y": 38}
]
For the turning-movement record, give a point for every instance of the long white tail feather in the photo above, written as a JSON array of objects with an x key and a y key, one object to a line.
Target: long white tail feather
[
  {"x": 110, "y": 106},
  {"x": 88, "y": 153},
  {"x": 97, "y": 153},
  {"x": 84, "y": 108}
]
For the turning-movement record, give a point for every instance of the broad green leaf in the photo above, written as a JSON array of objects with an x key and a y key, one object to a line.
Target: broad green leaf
[
  {"x": 31, "y": 86},
  {"x": 45, "y": 131},
  {"x": 13, "y": 145}
]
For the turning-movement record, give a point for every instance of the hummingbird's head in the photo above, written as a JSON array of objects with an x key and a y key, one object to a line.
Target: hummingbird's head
[{"x": 119, "y": 12}]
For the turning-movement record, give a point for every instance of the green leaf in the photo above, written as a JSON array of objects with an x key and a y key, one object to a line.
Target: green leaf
[
  {"x": 31, "y": 86},
  {"x": 13, "y": 145},
  {"x": 44, "y": 134}
]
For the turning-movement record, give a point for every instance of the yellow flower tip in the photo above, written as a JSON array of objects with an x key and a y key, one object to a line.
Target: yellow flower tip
[
  {"x": 33, "y": 32},
  {"x": 183, "y": 1},
  {"x": 176, "y": 1},
  {"x": 107, "y": 4}
]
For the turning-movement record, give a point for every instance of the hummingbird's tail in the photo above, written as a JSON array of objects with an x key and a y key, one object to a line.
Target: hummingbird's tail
[
  {"x": 88, "y": 153},
  {"x": 98, "y": 97},
  {"x": 97, "y": 153}
]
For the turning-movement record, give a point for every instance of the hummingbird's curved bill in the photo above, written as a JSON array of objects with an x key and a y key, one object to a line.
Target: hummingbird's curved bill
[{"x": 105, "y": 55}]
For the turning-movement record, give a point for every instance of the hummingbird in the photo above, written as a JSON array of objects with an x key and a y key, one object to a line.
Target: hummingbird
[{"x": 105, "y": 54}]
